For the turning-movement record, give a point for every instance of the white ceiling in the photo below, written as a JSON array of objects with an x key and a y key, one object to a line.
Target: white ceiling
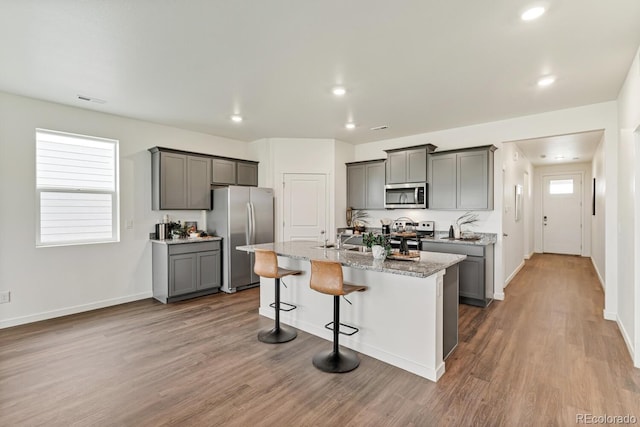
[
  {"x": 551, "y": 150},
  {"x": 416, "y": 66}
]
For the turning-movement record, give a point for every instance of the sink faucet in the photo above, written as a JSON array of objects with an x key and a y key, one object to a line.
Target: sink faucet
[{"x": 339, "y": 242}]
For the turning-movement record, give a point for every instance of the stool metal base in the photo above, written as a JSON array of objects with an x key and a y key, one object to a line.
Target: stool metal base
[
  {"x": 277, "y": 335},
  {"x": 344, "y": 360}
]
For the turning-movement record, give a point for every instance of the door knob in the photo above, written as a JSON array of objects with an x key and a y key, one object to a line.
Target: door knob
[{"x": 505, "y": 235}]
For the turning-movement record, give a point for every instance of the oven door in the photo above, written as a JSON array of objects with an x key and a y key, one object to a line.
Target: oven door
[{"x": 410, "y": 196}]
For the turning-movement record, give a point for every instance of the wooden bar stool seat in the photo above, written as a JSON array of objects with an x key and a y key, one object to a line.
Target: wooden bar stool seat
[
  {"x": 326, "y": 278},
  {"x": 266, "y": 265}
]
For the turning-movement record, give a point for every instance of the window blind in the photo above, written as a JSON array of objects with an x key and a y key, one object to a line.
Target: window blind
[{"x": 76, "y": 183}]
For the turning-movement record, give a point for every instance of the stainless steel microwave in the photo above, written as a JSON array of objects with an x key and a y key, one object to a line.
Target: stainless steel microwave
[{"x": 411, "y": 195}]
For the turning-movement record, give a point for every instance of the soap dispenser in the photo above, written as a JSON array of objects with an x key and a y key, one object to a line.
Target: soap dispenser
[{"x": 451, "y": 234}]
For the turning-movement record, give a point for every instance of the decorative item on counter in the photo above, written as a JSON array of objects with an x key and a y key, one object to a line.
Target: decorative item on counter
[
  {"x": 379, "y": 244},
  {"x": 386, "y": 225},
  {"x": 468, "y": 218},
  {"x": 356, "y": 219}
]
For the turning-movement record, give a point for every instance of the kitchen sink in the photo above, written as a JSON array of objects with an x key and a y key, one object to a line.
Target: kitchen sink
[{"x": 350, "y": 248}]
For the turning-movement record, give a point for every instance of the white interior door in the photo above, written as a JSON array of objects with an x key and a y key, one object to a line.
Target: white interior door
[
  {"x": 562, "y": 214},
  {"x": 305, "y": 206}
]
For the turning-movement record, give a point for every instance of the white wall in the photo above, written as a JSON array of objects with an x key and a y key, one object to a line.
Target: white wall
[
  {"x": 598, "y": 235},
  {"x": 539, "y": 173},
  {"x": 50, "y": 282},
  {"x": 628, "y": 221},
  {"x": 515, "y": 245},
  {"x": 590, "y": 117},
  {"x": 280, "y": 156}
]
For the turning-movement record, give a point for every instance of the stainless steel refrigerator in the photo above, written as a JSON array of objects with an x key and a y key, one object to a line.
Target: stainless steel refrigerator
[{"x": 241, "y": 216}]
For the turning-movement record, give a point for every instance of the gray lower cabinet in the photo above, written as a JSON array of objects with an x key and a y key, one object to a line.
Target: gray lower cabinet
[
  {"x": 180, "y": 181},
  {"x": 475, "y": 272},
  {"x": 186, "y": 270},
  {"x": 365, "y": 184},
  {"x": 461, "y": 179}
]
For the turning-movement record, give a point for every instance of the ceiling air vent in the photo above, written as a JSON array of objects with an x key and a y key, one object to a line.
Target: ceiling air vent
[
  {"x": 88, "y": 98},
  {"x": 380, "y": 127}
]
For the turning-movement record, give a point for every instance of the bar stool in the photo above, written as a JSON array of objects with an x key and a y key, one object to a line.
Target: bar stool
[
  {"x": 326, "y": 278},
  {"x": 266, "y": 265}
]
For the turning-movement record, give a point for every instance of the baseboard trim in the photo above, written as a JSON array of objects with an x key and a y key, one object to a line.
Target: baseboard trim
[
  {"x": 610, "y": 315},
  {"x": 512, "y": 275},
  {"x": 529, "y": 255},
  {"x": 46, "y": 315},
  {"x": 498, "y": 296},
  {"x": 626, "y": 338},
  {"x": 595, "y": 267}
]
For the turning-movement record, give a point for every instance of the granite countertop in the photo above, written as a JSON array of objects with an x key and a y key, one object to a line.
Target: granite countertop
[
  {"x": 485, "y": 239},
  {"x": 187, "y": 240},
  {"x": 429, "y": 263}
]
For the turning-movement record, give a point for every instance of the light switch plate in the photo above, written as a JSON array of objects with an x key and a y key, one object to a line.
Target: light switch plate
[{"x": 5, "y": 297}]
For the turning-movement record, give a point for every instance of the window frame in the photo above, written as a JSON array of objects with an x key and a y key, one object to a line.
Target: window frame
[{"x": 115, "y": 193}]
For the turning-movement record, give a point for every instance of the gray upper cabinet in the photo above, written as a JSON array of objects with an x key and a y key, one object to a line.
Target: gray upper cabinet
[
  {"x": 198, "y": 182},
  {"x": 180, "y": 181},
  {"x": 461, "y": 179},
  {"x": 408, "y": 164},
  {"x": 223, "y": 171},
  {"x": 247, "y": 173},
  {"x": 365, "y": 184}
]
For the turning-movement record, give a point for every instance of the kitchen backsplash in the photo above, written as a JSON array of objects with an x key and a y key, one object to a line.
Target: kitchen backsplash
[{"x": 488, "y": 221}]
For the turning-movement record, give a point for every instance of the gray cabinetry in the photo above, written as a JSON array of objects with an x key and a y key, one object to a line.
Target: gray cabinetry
[
  {"x": 186, "y": 270},
  {"x": 247, "y": 174},
  {"x": 234, "y": 172},
  {"x": 461, "y": 179},
  {"x": 475, "y": 272},
  {"x": 223, "y": 171},
  {"x": 180, "y": 181},
  {"x": 408, "y": 164},
  {"x": 365, "y": 184}
]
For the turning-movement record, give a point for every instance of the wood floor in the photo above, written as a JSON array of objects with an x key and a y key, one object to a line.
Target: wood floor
[{"x": 538, "y": 358}]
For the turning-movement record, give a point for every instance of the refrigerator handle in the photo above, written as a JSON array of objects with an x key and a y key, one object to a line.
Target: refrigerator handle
[
  {"x": 248, "y": 232},
  {"x": 253, "y": 224}
]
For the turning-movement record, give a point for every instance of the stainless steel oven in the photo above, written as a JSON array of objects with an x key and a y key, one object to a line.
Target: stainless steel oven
[{"x": 411, "y": 195}]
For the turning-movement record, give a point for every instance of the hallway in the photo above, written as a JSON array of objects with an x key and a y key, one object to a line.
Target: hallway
[{"x": 539, "y": 358}]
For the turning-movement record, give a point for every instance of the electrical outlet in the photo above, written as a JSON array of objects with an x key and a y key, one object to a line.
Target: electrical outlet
[
  {"x": 5, "y": 297},
  {"x": 129, "y": 224}
]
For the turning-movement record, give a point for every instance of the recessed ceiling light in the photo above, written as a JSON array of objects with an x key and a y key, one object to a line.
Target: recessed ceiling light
[
  {"x": 532, "y": 13},
  {"x": 546, "y": 81},
  {"x": 576, "y": 158},
  {"x": 339, "y": 91},
  {"x": 350, "y": 125},
  {"x": 543, "y": 156},
  {"x": 559, "y": 157},
  {"x": 236, "y": 118}
]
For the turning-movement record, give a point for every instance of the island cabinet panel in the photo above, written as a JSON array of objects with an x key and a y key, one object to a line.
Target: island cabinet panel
[
  {"x": 365, "y": 185},
  {"x": 461, "y": 179},
  {"x": 247, "y": 174},
  {"x": 223, "y": 171},
  {"x": 185, "y": 270}
]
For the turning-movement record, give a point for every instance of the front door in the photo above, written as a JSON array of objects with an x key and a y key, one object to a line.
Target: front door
[
  {"x": 305, "y": 206},
  {"x": 562, "y": 214}
]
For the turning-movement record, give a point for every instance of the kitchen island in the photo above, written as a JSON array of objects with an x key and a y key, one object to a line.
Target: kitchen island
[{"x": 399, "y": 315}]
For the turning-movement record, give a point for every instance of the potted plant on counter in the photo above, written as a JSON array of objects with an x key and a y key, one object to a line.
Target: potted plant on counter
[{"x": 378, "y": 243}]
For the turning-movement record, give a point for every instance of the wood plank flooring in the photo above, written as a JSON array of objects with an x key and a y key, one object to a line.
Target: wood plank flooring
[{"x": 538, "y": 358}]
